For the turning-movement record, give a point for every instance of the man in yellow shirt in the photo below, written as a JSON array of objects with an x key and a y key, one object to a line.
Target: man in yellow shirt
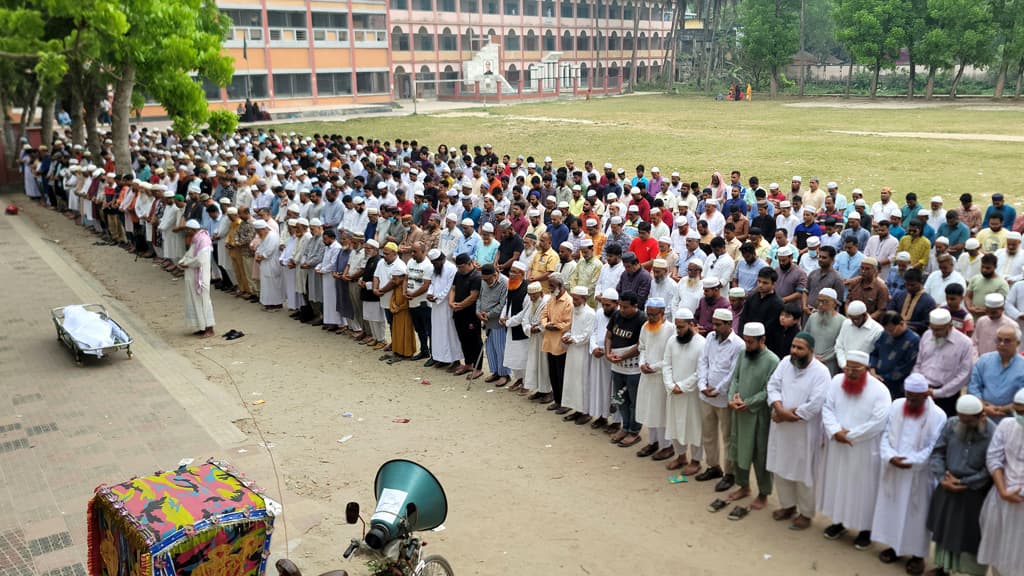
[
  {"x": 994, "y": 237},
  {"x": 545, "y": 262},
  {"x": 916, "y": 245}
]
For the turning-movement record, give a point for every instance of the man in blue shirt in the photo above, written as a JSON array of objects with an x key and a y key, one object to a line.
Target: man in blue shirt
[
  {"x": 848, "y": 261},
  {"x": 998, "y": 375},
  {"x": 895, "y": 352},
  {"x": 470, "y": 240},
  {"x": 558, "y": 230},
  {"x": 748, "y": 267},
  {"x": 999, "y": 206},
  {"x": 470, "y": 212},
  {"x": 955, "y": 231},
  {"x": 896, "y": 229},
  {"x": 806, "y": 228}
]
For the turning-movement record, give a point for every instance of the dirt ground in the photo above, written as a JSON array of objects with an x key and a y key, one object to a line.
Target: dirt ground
[{"x": 527, "y": 493}]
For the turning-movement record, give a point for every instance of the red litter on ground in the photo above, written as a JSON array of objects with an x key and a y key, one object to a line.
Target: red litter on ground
[
  {"x": 401, "y": 420},
  {"x": 425, "y": 382}
]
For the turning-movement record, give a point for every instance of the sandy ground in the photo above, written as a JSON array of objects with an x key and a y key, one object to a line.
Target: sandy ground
[
  {"x": 935, "y": 135},
  {"x": 528, "y": 494}
]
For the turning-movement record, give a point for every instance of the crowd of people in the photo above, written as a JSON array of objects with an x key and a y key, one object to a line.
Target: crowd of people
[{"x": 863, "y": 359}]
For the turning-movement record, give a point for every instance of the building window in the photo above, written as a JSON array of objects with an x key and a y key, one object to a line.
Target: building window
[
  {"x": 399, "y": 4},
  {"x": 567, "y": 11},
  {"x": 447, "y": 40},
  {"x": 628, "y": 12},
  {"x": 446, "y": 5},
  {"x": 613, "y": 42},
  {"x": 549, "y": 41},
  {"x": 531, "y": 7},
  {"x": 286, "y": 85},
  {"x": 567, "y": 43},
  {"x": 531, "y": 43},
  {"x": 424, "y": 40},
  {"x": 281, "y": 19},
  {"x": 583, "y": 42},
  {"x": 602, "y": 10},
  {"x": 469, "y": 6},
  {"x": 399, "y": 40},
  {"x": 615, "y": 12},
  {"x": 244, "y": 18},
  {"x": 372, "y": 82},
  {"x": 547, "y": 10},
  {"x": 491, "y": 7},
  {"x": 247, "y": 86},
  {"x": 210, "y": 90},
  {"x": 642, "y": 44},
  {"x": 425, "y": 5},
  {"x": 583, "y": 9},
  {"x": 330, "y": 20},
  {"x": 512, "y": 41},
  {"x": 511, "y": 7},
  {"x": 334, "y": 83},
  {"x": 627, "y": 42}
]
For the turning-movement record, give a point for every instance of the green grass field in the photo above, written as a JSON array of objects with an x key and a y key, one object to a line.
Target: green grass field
[{"x": 773, "y": 140}]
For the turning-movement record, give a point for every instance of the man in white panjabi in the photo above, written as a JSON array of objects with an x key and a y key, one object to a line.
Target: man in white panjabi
[
  {"x": 650, "y": 398},
  {"x": 515, "y": 311},
  {"x": 905, "y": 490},
  {"x": 284, "y": 256},
  {"x": 796, "y": 393},
  {"x": 445, "y": 347},
  {"x": 683, "y": 404},
  {"x": 855, "y": 412},
  {"x": 577, "y": 342},
  {"x": 600, "y": 380},
  {"x": 196, "y": 263},
  {"x": 536, "y": 382},
  {"x": 1002, "y": 516},
  {"x": 271, "y": 285},
  {"x": 325, "y": 275}
]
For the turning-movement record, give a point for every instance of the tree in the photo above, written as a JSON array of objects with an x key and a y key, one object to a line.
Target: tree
[
  {"x": 968, "y": 30},
  {"x": 770, "y": 35},
  {"x": 1008, "y": 18},
  {"x": 873, "y": 31}
]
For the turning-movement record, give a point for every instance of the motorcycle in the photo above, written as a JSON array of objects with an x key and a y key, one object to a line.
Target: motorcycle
[{"x": 391, "y": 548}]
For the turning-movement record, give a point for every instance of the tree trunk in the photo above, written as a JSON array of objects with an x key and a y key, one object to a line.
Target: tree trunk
[
  {"x": 77, "y": 118},
  {"x": 11, "y": 148},
  {"x": 929, "y": 88},
  {"x": 46, "y": 118},
  {"x": 636, "y": 45},
  {"x": 92, "y": 135},
  {"x": 773, "y": 82},
  {"x": 1020, "y": 80},
  {"x": 956, "y": 80},
  {"x": 678, "y": 19},
  {"x": 874, "y": 78},
  {"x": 849, "y": 79},
  {"x": 121, "y": 110},
  {"x": 28, "y": 110},
  {"x": 913, "y": 75},
  {"x": 1001, "y": 79}
]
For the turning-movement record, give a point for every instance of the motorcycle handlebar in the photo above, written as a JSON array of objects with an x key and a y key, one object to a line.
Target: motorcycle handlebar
[{"x": 351, "y": 548}]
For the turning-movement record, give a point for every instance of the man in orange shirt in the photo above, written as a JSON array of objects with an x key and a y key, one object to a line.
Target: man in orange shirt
[
  {"x": 645, "y": 247},
  {"x": 555, "y": 320}
]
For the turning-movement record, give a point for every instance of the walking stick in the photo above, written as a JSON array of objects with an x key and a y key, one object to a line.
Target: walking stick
[{"x": 479, "y": 357}]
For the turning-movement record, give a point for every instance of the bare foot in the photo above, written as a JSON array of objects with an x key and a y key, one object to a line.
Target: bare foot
[
  {"x": 739, "y": 494},
  {"x": 759, "y": 503}
]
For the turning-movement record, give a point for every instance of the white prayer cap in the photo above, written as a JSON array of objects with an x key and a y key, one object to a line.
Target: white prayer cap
[
  {"x": 856, "y": 308},
  {"x": 533, "y": 288},
  {"x": 832, "y": 185},
  {"x": 722, "y": 314},
  {"x": 567, "y": 245},
  {"x": 546, "y": 158},
  {"x": 225, "y": 201},
  {"x": 358, "y": 200},
  {"x": 315, "y": 222},
  {"x": 810, "y": 209},
  {"x": 260, "y": 224},
  {"x": 111, "y": 175},
  {"x": 773, "y": 186},
  {"x": 382, "y": 185},
  {"x": 616, "y": 220},
  {"x": 586, "y": 243},
  {"x": 684, "y": 313},
  {"x": 232, "y": 210},
  {"x": 414, "y": 171},
  {"x": 302, "y": 222},
  {"x": 610, "y": 294},
  {"x": 903, "y": 256},
  {"x": 1018, "y": 398},
  {"x": 574, "y": 187},
  {"x": 168, "y": 193},
  {"x": 294, "y": 208},
  {"x": 924, "y": 212},
  {"x": 854, "y": 216},
  {"x": 551, "y": 199},
  {"x": 372, "y": 211},
  {"x": 858, "y": 357},
  {"x": 466, "y": 197},
  {"x": 813, "y": 242},
  {"x": 972, "y": 244},
  {"x": 797, "y": 179},
  {"x": 712, "y": 202},
  {"x": 292, "y": 221},
  {"x": 675, "y": 174},
  {"x": 712, "y": 282},
  {"x": 533, "y": 213},
  {"x": 656, "y": 303},
  {"x": 753, "y": 329},
  {"x": 939, "y": 317},
  {"x": 784, "y": 203},
  {"x": 994, "y": 300},
  {"x": 487, "y": 227},
  {"x": 785, "y": 251},
  {"x": 633, "y": 208},
  {"x": 468, "y": 222},
  {"x": 591, "y": 222},
  {"x": 607, "y": 165},
  {"x": 969, "y": 405},
  {"x": 936, "y": 199},
  {"x": 857, "y": 192},
  {"x": 693, "y": 235},
  {"x": 916, "y": 383},
  {"x": 193, "y": 224},
  {"x": 944, "y": 240},
  {"x": 611, "y": 196},
  {"x": 591, "y": 193},
  {"x": 556, "y": 213},
  {"x": 435, "y": 254},
  {"x": 452, "y": 217},
  {"x": 737, "y": 292},
  {"x": 660, "y": 263},
  {"x": 1009, "y": 236},
  {"x": 665, "y": 240},
  {"x": 289, "y": 187},
  {"x": 452, "y": 193},
  {"x": 580, "y": 291},
  {"x": 517, "y": 265},
  {"x": 372, "y": 243},
  {"x": 828, "y": 293}
]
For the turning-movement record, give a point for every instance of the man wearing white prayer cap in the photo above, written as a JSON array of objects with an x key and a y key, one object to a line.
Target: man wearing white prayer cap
[
  {"x": 600, "y": 379},
  {"x": 854, "y": 415},
  {"x": 577, "y": 341},
  {"x": 859, "y": 332},
  {"x": 751, "y": 418},
  {"x": 517, "y": 341},
  {"x": 987, "y": 325},
  {"x": 650, "y": 397},
  {"x": 1002, "y": 516},
  {"x": 944, "y": 358},
  {"x": 197, "y": 264},
  {"x": 683, "y": 405},
  {"x": 905, "y": 489},
  {"x": 958, "y": 463}
]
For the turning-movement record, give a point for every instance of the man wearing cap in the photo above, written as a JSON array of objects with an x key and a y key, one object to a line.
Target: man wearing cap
[
  {"x": 449, "y": 237},
  {"x": 555, "y": 321},
  {"x": 750, "y": 420},
  {"x": 513, "y": 316},
  {"x": 493, "y": 297},
  {"x": 374, "y": 319},
  {"x": 944, "y": 275},
  {"x": 901, "y": 510},
  {"x": 444, "y": 340},
  {"x": 544, "y": 262},
  {"x": 796, "y": 392},
  {"x": 575, "y": 393},
  {"x": 325, "y": 272},
  {"x": 957, "y": 462},
  {"x": 683, "y": 405},
  {"x": 1000, "y": 208},
  {"x": 599, "y": 381},
  {"x": 1010, "y": 259},
  {"x": 1002, "y": 515},
  {"x": 987, "y": 326},
  {"x": 196, "y": 263},
  {"x": 944, "y": 358},
  {"x": 587, "y": 271},
  {"x": 307, "y": 281},
  {"x": 420, "y": 271},
  {"x": 854, "y": 415},
  {"x": 859, "y": 333},
  {"x": 722, "y": 349},
  {"x": 824, "y": 325},
  {"x": 271, "y": 282},
  {"x": 650, "y": 397},
  {"x": 389, "y": 280}
]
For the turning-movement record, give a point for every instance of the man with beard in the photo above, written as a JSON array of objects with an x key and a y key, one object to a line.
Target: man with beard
[
  {"x": 905, "y": 489},
  {"x": 854, "y": 416},
  {"x": 444, "y": 340},
  {"x": 462, "y": 301},
  {"x": 825, "y": 324},
  {"x": 895, "y": 353},
  {"x": 714, "y": 374},
  {"x": 791, "y": 284},
  {"x": 712, "y": 301},
  {"x": 663, "y": 287},
  {"x": 869, "y": 289},
  {"x": 748, "y": 400},
  {"x": 311, "y": 284},
  {"x": 986, "y": 326},
  {"x": 536, "y": 379},
  {"x": 518, "y": 341},
  {"x": 600, "y": 380},
  {"x": 859, "y": 333},
  {"x": 493, "y": 296},
  {"x": 1002, "y": 515},
  {"x": 650, "y": 399},
  {"x": 577, "y": 340},
  {"x": 914, "y": 304},
  {"x": 984, "y": 283},
  {"x": 958, "y": 463},
  {"x": 621, "y": 348},
  {"x": 796, "y": 393},
  {"x": 997, "y": 376},
  {"x": 690, "y": 287},
  {"x": 944, "y": 357},
  {"x": 683, "y": 409},
  {"x": 634, "y": 279},
  {"x": 764, "y": 305},
  {"x": 555, "y": 321}
]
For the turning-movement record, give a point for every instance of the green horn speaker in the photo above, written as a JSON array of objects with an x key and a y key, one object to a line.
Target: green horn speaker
[{"x": 400, "y": 483}]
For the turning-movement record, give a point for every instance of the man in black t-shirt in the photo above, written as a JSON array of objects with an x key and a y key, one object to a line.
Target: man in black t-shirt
[
  {"x": 462, "y": 299},
  {"x": 621, "y": 348}
]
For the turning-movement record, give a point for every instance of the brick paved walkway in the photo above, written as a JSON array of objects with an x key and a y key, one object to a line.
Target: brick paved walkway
[{"x": 65, "y": 429}]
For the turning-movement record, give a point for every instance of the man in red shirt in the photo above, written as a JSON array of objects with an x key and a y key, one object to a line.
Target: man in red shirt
[{"x": 645, "y": 247}]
